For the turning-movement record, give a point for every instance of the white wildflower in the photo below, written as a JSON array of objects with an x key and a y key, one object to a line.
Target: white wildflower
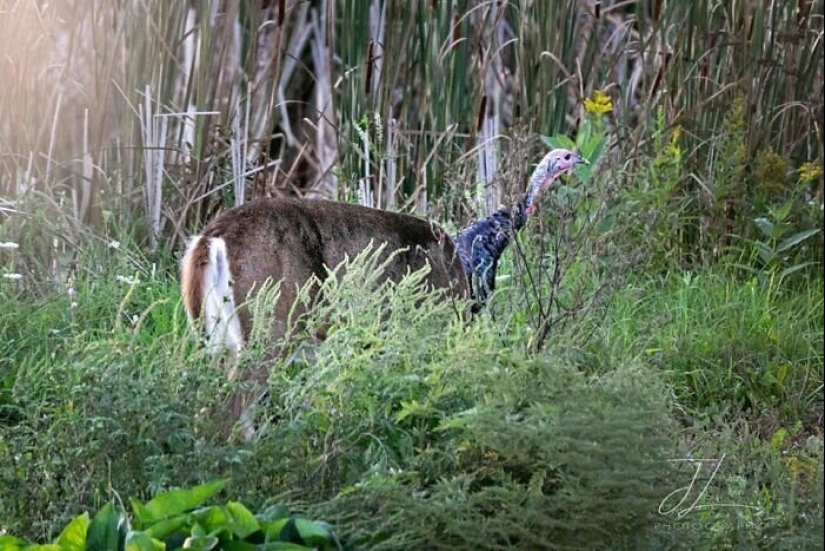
[
  {"x": 73, "y": 305},
  {"x": 13, "y": 276},
  {"x": 9, "y": 245},
  {"x": 129, "y": 280},
  {"x": 114, "y": 245}
]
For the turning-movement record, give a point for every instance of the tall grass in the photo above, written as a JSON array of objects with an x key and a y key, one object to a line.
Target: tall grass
[{"x": 408, "y": 105}]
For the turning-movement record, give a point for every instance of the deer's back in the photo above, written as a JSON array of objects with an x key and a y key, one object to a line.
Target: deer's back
[{"x": 293, "y": 239}]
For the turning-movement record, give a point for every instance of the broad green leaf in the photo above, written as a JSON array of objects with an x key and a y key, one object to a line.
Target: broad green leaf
[
  {"x": 743, "y": 267},
  {"x": 273, "y": 512},
  {"x": 584, "y": 133},
  {"x": 282, "y": 546},
  {"x": 596, "y": 149},
  {"x": 9, "y": 543},
  {"x": 781, "y": 213},
  {"x": 272, "y": 529},
  {"x": 202, "y": 543},
  {"x": 782, "y": 373},
  {"x": 45, "y": 547},
  {"x": 796, "y": 239},
  {"x": 606, "y": 224},
  {"x": 238, "y": 545},
  {"x": 330, "y": 538},
  {"x": 583, "y": 172},
  {"x": 104, "y": 530},
  {"x": 140, "y": 514},
  {"x": 241, "y": 520},
  {"x": 312, "y": 532},
  {"x": 141, "y": 541},
  {"x": 560, "y": 141},
  {"x": 175, "y": 502},
  {"x": 765, "y": 226},
  {"x": 165, "y": 528},
  {"x": 73, "y": 536},
  {"x": 778, "y": 439},
  {"x": 586, "y": 146},
  {"x": 290, "y": 532},
  {"x": 212, "y": 519},
  {"x": 795, "y": 268},
  {"x": 766, "y": 254}
]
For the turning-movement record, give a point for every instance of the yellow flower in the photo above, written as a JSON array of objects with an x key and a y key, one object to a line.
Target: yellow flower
[
  {"x": 810, "y": 172},
  {"x": 677, "y": 133},
  {"x": 599, "y": 104}
]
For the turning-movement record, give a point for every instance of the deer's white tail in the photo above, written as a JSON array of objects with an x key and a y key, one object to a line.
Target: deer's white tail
[{"x": 206, "y": 281}]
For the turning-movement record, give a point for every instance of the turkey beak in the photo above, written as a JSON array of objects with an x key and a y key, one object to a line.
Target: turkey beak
[{"x": 579, "y": 160}]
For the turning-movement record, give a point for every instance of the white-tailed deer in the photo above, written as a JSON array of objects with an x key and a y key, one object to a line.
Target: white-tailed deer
[
  {"x": 289, "y": 241},
  {"x": 293, "y": 240}
]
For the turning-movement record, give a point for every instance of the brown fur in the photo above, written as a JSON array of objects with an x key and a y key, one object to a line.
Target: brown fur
[{"x": 291, "y": 240}]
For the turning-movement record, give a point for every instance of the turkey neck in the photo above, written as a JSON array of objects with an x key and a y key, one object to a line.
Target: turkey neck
[
  {"x": 500, "y": 226},
  {"x": 480, "y": 245}
]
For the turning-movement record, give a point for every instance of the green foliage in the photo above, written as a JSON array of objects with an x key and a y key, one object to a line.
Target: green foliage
[
  {"x": 410, "y": 426},
  {"x": 726, "y": 345},
  {"x": 179, "y": 519},
  {"x": 775, "y": 249},
  {"x": 100, "y": 390},
  {"x": 453, "y": 430},
  {"x": 651, "y": 212},
  {"x": 788, "y": 237},
  {"x": 669, "y": 214},
  {"x": 771, "y": 178},
  {"x": 526, "y": 467},
  {"x": 745, "y": 363},
  {"x": 758, "y": 494}
]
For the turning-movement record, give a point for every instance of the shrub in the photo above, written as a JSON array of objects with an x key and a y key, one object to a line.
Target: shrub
[
  {"x": 410, "y": 428},
  {"x": 178, "y": 519}
]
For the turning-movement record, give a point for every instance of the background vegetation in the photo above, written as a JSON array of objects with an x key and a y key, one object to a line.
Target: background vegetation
[{"x": 661, "y": 314}]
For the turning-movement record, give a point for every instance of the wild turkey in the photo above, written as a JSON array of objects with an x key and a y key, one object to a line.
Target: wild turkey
[{"x": 481, "y": 244}]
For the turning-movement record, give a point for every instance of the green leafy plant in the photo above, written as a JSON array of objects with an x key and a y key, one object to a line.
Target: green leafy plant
[
  {"x": 178, "y": 519},
  {"x": 778, "y": 254}
]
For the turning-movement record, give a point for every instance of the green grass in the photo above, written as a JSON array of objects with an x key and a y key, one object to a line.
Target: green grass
[
  {"x": 723, "y": 342},
  {"x": 417, "y": 429}
]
